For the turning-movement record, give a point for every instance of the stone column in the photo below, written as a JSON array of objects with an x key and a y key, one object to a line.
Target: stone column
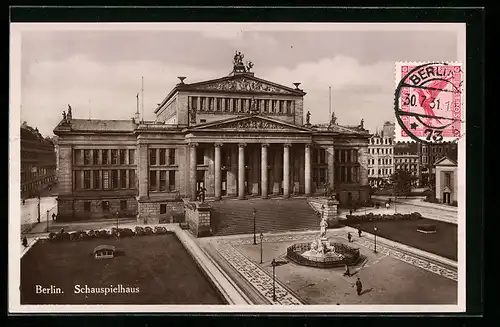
[
  {"x": 263, "y": 171},
  {"x": 307, "y": 170},
  {"x": 286, "y": 170},
  {"x": 192, "y": 169},
  {"x": 331, "y": 165},
  {"x": 241, "y": 171},
  {"x": 363, "y": 165},
  {"x": 218, "y": 172},
  {"x": 255, "y": 170}
]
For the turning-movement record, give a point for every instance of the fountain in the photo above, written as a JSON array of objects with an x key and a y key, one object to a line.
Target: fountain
[{"x": 322, "y": 253}]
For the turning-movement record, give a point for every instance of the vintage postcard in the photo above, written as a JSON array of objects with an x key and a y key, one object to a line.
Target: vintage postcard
[{"x": 234, "y": 167}]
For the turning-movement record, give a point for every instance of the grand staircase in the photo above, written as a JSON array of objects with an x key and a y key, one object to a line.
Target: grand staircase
[{"x": 231, "y": 217}]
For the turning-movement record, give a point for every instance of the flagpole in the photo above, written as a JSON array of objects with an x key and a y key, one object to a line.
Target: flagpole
[
  {"x": 142, "y": 100},
  {"x": 330, "y": 101}
]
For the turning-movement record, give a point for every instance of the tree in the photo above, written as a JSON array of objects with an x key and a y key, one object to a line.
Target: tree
[{"x": 401, "y": 181}]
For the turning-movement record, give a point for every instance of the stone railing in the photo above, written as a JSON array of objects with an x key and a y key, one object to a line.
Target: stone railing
[
  {"x": 325, "y": 206},
  {"x": 198, "y": 218}
]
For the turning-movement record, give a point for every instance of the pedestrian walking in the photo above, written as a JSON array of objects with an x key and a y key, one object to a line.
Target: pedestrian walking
[
  {"x": 347, "y": 272},
  {"x": 24, "y": 201},
  {"x": 350, "y": 211},
  {"x": 349, "y": 236},
  {"x": 359, "y": 286},
  {"x": 359, "y": 231},
  {"x": 54, "y": 216},
  {"x": 25, "y": 241}
]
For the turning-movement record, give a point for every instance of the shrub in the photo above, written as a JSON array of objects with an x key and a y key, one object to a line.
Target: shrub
[
  {"x": 64, "y": 236},
  {"x": 148, "y": 231},
  {"x": 91, "y": 233},
  {"x": 373, "y": 217},
  {"x": 74, "y": 236},
  {"x": 52, "y": 236},
  {"x": 159, "y": 230},
  {"x": 102, "y": 234},
  {"x": 139, "y": 231},
  {"x": 126, "y": 232},
  {"x": 114, "y": 232}
]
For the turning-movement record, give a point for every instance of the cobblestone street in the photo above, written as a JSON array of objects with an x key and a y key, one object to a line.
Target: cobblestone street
[{"x": 391, "y": 275}]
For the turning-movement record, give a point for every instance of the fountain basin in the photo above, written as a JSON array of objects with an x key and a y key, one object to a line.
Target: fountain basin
[{"x": 302, "y": 254}]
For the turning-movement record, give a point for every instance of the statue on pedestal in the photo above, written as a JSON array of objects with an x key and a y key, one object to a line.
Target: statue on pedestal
[
  {"x": 323, "y": 225},
  {"x": 308, "y": 118},
  {"x": 361, "y": 124},
  {"x": 64, "y": 116}
]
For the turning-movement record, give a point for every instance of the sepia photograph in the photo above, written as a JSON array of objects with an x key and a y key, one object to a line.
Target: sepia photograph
[{"x": 218, "y": 167}]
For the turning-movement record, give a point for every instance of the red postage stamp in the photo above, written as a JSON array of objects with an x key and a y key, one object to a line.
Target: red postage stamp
[{"x": 429, "y": 102}]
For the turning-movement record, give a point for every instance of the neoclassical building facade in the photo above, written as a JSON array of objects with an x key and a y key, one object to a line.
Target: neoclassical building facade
[{"x": 236, "y": 136}]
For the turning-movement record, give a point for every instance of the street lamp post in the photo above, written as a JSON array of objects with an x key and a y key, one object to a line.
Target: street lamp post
[
  {"x": 254, "y": 237},
  {"x": 116, "y": 220},
  {"x": 322, "y": 212},
  {"x": 273, "y": 263},
  {"x": 375, "y": 229},
  {"x": 47, "y": 221},
  {"x": 261, "y": 238},
  {"x": 38, "y": 209}
]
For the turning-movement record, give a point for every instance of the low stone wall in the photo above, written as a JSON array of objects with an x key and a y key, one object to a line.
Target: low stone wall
[
  {"x": 150, "y": 212},
  {"x": 198, "y": 218}
]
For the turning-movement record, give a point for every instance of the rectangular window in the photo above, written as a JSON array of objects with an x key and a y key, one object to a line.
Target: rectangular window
[
  {"x": 78, "y": 179},
  {"x": 123, "y": 178},
  {"x": 152, "y": 180},
  {"x": 86, "y": 157},
  {"x": 114, "y": 179},
  {"x": 322, "y": 156},
  {"x": 105, "y": 206},
  {"x": 105, "y": 157},
  {"x": 122, "y": 156},
  {"x": 95, "y": 157},
  {"x": 114, "y": 157},
  {"x": 194, "y": 103},
  {"x": 200, "y": 156},
  {"x": 123, "y": 205},
  {"x": 131, "y": 157},
  {"x": 152, "y": 157},
  {"x": 131, "y": 178},
  {"x": 163, "y": 156},
  {"x": 163, "y": 180},
  {"x": 78, "y": 157},
  {"x": 171, "y": 180},
  {"x": 349, "y": 174},
  {"x": 97, "y": 179},
  {"x": 86, "y": 179},
  {"x": 86, "y": 206},
  {"x": 163, "y": 208},
  {"x": 171, "y": 156},
  {"x": 447, "y": 177}
]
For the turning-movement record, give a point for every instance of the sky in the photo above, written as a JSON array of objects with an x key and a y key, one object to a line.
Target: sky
[{"x": 98, "y": 69}]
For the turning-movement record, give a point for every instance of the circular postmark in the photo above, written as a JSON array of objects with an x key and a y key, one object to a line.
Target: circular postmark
[{"x": 428, "y": 102}]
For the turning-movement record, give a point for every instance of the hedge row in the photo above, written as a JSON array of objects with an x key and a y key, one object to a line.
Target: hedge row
[
  {"x": 103, "y": 234},
  {"x": 373, "y": 217}
]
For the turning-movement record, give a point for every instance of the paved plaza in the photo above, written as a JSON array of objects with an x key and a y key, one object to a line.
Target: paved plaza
[{"x": 391, "y": 276}]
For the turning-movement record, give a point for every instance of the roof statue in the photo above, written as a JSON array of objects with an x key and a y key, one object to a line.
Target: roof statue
[
  {"x": 64, "y": 116},
  {"x": 69, "y": 116},
  {"x": 361, "y": 124},
  {"x": 333, "y": 120},
  {"x": 308, "y": 118},
  {"x": 239, "y": 66}
]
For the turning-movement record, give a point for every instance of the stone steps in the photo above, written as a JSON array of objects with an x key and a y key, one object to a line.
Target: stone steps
[{"x": 236, "y": 217}]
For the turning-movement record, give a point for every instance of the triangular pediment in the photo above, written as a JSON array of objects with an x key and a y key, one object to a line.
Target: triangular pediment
[
  {"x": 251, "y": 123},
  {"x": 244, "y": 83},
  {"x": 445, "y": 161},
  {"x": 447, "y": 189}
]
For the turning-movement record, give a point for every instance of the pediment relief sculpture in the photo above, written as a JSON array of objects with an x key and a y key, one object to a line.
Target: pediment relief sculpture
[
  {"x": 251, "y": 124},
  {"x": 243, "y": 85}
]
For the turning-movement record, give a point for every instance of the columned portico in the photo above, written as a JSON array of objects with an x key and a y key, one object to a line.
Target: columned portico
[
  {"x": 263, "y": 179},
  {"x": 217, "y": 173},
  {"x": 286, "y": 170},
  {"x": 241, "y": 171}
]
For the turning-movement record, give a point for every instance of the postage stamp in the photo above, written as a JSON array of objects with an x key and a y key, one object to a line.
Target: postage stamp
[{"x": 429, "y": 101}]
